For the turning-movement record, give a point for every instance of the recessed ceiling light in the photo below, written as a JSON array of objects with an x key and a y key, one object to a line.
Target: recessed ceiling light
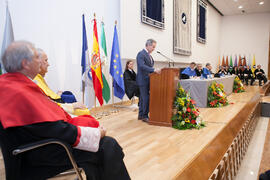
[
  {"x": 261, "y": 3},
  {"x": 235, "y": 0},
  {"x": 240, "y": 7}
]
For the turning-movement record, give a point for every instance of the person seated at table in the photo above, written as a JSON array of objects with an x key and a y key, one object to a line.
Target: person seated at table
[
  {"x": 248, "y": 75},
  {"x": 207, "y": 71},
  {"x": 235, "y": 70},
  {"x": 189, "y": 71},
  {"x": 230, "y": 70},
  {"x": 29, "y": 115},
  {"x": 222, "y": 71},
  {"x": 227, "y": 69},
  {"x": 199, "y": 70},
  {"x": 241, "y": 73},
  {"x": 131, "y": 87},
  {"x": 260, "y": 75},
  {"x": 75, "y": 108}
]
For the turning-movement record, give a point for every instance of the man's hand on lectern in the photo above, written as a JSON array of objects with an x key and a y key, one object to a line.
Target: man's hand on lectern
[{"x": 157, "y": 70}]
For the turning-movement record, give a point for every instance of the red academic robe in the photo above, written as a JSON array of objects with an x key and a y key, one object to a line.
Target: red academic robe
[
  {"x": 24, "y": 103},
  {"x": 29, "y": 115}
]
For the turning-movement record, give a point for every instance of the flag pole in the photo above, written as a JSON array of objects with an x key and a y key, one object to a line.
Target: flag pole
[
  {"x": 83, "y": 89},
  {"x": 115, "y": 22}
]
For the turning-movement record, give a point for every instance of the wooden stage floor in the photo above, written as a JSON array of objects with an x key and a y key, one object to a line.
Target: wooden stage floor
[{"x": 153, "y": 152}]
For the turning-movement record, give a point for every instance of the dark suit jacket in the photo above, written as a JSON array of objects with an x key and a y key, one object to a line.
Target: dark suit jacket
[
  {"x": 198, "y": 72},
  {"x": 144, "y": 68},
  {"x": 248, "y": 73},
  {"x": 131, "y": 87},
  {"x": 258, "y": 75}
]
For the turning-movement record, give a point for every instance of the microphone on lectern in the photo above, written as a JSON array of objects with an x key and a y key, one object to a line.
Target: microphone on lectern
[{"x": 168, "y": 59}]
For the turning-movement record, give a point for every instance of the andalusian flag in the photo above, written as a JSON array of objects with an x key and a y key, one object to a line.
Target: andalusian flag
[
  {"x": 96, "y": 66},
  {"x": 253, "y": 68},
  {"x": 106, "y": 88},
  {"x": 231, "y": 63}
]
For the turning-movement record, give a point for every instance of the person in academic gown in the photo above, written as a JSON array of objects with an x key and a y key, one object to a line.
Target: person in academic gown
[
  {"x": 131, "y": 87},
  {"x": 235, "y": 70},
  {"x": 241, "y": 73},
  {"x": 222, "y": 71},
  {"x": 248, "y": 75},
  {"x": 31, "y": 116},
  {"x": 207, "y": 70},
  {"x": 75, "y": 108},
  {"x": 260, "y": 75},
  {"x": 189, "y": 71},
  {"x": 199, "y": 70}
]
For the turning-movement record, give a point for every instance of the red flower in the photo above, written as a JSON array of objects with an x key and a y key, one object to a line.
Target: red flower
[
  {"x": 192, "y": 101},
  {"x": 235, "y": 91},
  {"x": 198, "y": 110},
  {"x": 193, "y": 122},
  {"x": 215, "y": 93},
  {"x": 189, "y": 117},
  {"x": 196, "y": 113},
  {"x": 212, "y": 103},
  {"x": 188, "y": 109}
]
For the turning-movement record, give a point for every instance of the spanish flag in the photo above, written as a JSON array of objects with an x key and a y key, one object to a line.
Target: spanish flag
[{"x": 96, "y": 66}]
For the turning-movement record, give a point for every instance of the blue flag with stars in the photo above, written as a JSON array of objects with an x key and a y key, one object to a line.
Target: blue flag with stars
[{"x": 116, "y": 68}]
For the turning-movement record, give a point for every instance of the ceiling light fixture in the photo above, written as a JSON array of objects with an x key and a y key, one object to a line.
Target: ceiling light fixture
[
  {"x": 261, "y": 3},
  {"x": 240, "y": 7},
  {"x": 235, "y": 0}
]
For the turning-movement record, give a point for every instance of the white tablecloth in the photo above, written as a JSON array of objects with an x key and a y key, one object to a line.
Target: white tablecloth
[{"x": 198, "y": 88}]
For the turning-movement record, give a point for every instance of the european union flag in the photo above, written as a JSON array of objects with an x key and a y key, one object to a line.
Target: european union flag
[{"x": 116, "y": 68}]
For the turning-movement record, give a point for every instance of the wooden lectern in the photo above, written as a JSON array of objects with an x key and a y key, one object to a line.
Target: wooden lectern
[{"x": 162, "y": 93}]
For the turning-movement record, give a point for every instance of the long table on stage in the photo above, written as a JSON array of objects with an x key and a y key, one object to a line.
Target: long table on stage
[
  {"x": 198, "y": 88},
  {"x": 165, "y": 153}
]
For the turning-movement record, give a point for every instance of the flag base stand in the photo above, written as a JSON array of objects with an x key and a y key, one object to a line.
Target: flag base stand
[{"x": 132, "y": 106}]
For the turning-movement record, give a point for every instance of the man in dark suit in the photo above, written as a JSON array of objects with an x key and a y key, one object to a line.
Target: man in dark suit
[
  {"x": 248, "y": 75},
  {"x": 145, "y": 64},
  {"x": 260, "y": 75}
]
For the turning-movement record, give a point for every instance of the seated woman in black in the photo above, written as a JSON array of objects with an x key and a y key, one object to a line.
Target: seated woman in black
[{"x": 131, "y": 87}]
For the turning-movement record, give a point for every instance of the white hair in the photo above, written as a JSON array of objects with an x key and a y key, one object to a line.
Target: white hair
[
  {"x": 40, "y": 52},
  {"x": 149, "y": 42},
  {"x": 15, "y": 53}
]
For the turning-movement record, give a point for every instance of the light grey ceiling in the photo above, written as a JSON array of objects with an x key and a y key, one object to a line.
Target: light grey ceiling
[{"x": 230, "y": 7}]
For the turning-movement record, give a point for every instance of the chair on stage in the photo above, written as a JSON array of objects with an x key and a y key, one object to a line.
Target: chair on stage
[{"x": 14, "y": 165}]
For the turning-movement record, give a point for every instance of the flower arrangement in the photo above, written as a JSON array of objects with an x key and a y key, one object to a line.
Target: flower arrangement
[
  {"x": 238, "y": 86},
  {"x": 186, "y": 116},
  {"x": 216, "y": 95}
]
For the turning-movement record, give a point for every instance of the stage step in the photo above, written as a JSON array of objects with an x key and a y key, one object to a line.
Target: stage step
[{"x": 265, "y": 105}]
